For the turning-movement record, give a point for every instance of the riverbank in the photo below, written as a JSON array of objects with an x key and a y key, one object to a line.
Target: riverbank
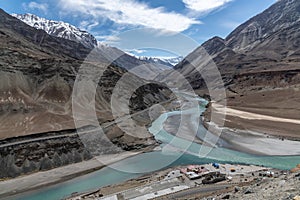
[
  {"x": 41, "y": 179},
  {"x": 262, "y": 112},
  {"x": 184, "y": 181},
  {"x": 143, "y": 164},
  {"x": 249, "y": 132},
  {"x": 38, "y": 180}
]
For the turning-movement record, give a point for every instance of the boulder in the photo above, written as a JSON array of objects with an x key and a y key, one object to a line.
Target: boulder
[{"x": 296, "y": 198}]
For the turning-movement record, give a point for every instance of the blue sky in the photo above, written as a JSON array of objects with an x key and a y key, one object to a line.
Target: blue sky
[{"x": 147, "y": 27}]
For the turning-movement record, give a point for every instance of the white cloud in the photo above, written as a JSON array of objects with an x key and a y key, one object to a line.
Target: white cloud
[
  {"x": 204, "y": 6},
  {"x": 36, "y": 6},
  {"x": 130, "y": 12},
  {"x": 138, "y": 51},
  {"x": 135, "y": 52},
  {"x": 87, "y": 25}
]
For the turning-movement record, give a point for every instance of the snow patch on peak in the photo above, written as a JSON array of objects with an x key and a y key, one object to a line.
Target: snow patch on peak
[
  {"x": 59, "y": 29},
  {"x": 168, "y": 61}
]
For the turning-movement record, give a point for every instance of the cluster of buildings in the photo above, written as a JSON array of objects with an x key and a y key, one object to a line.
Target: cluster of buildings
[
  {"x": 182, "y": 180},
  {"x": 215, "y": 172},
  {"x": 208, "y": 173},
  {"x": 194, "y": 171}
]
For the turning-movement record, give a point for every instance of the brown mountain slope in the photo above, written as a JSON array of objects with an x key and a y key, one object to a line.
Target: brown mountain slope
[
  {"x": 37, "y": 76},
  {"x": 260, "y": 65}
]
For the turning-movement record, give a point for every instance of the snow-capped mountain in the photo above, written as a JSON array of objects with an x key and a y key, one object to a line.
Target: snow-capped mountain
[
  {"x": 59, "y": 29},
  {"x": 167, "y": 61},
  {"x": 173, "y": 61}
]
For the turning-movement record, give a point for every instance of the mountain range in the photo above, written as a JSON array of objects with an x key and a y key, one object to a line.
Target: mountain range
[
  {"x": 259, "y": 66},
  {"x": 258, "y": 63},
  {"x": 167, "y": 61},
  {"x": 70, "y": 32},
  {"x": 59, "y": 29},
  {"x": 38, "y": 72}
]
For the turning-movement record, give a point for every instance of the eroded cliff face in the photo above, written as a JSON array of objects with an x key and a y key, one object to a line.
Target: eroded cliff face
[
  {"x": 37, "y": 76},
  {"x": 45, "y": 151},
  {"x": 26, "y": 157}
]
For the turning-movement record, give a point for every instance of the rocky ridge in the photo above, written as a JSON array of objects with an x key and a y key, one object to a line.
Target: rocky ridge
[
  {"x": 38, "y": 72},
  {"x": 259, "y": 66}
]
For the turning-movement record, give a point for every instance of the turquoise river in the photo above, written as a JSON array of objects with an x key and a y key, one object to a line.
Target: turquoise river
[{"x": 155, "y": 160}]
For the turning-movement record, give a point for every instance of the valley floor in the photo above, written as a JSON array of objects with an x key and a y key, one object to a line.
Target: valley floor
[
  {"x": 258, "y": 122},
  {"x": 256, "y": 139},
  {"x": 273, "y": 112},
  {"x": 246, "y": 141}
]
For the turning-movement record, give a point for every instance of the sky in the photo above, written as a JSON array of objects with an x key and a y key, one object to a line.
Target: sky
[{"x": 161, "y": 28}]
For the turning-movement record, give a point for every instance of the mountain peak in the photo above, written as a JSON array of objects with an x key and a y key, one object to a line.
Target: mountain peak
[
  {"x": 58, "y": 29},
  {"x": 214, "y": 45},
  {"x": 281, "y": 15}
]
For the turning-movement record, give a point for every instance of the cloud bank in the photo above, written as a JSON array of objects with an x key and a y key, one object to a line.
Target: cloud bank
[{"x": 130, "y": 12}]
